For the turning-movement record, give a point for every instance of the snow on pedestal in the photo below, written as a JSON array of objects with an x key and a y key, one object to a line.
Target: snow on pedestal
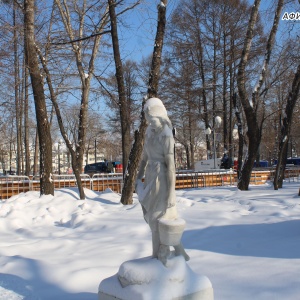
[{"x": 148, "y": 279}]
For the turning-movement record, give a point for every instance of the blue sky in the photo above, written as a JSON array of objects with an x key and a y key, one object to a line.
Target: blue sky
[{"x": 138, "y": 39}]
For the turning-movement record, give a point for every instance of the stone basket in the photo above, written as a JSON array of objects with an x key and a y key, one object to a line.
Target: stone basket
[{"x": 170, "y": 231}]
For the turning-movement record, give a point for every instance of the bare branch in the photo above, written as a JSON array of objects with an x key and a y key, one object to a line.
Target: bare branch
[
  {"x": 82, "y": 39},
  {"x": 99, "y": 33}
]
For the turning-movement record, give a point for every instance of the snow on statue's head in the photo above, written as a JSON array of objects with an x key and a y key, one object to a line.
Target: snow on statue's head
[{"x": 155, "y": 108}]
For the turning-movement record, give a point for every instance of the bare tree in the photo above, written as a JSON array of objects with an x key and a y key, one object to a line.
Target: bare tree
[
  {"x": 182, "y": 100},
  {"x": 208, "y": 34},
  {"x": 18, "y": 102},
  {"x": 250, "y": 106},
  {"x": 136, "y": 150},
  {"x": 26, "y": 123},
  {"x": 77, "y": 154},
  {"x": 45, "y": 141},
  {"x": 286, "y": 124},
  {"x": 122, "y": 103}
]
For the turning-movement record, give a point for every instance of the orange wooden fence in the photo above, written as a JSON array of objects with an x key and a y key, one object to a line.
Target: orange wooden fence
[{"x": 13, "y": 185}]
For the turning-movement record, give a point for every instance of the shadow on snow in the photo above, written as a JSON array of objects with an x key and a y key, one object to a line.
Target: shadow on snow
[
  {"x": 276, "y": 240},
  {"x": 35, "y": 288}
]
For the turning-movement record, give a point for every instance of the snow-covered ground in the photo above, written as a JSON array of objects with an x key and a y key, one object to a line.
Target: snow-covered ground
[{"x": 247, "y": 243}]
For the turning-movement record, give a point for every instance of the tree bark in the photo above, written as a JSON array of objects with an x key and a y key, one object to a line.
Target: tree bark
[
  {"x": 231, "y": 95},
  {"x": 36, "y": 153},
  {"x": 240, "y": 134},
  {"x": 137, "y": 148},
  {"x": 292, "y": 98},
  {"x": 225, "y": 108},
  {"x": 253, "y": 130},
  {"x": 123, "y": 107},
  {"x": 250, "y": 107},
  {"x": 200, "y": 66},
  {"x": 26, "y": 124},
  {"x": 18, "y": 110},
  {"x": 45, "y": 141}
]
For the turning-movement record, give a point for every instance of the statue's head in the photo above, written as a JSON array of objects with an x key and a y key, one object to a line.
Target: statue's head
[{"x": 155, "y": 112}]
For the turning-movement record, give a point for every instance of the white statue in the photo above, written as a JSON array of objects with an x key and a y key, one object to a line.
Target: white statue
[
  {"x": 147, "y": 278},
  {"x": 157, "y": 193}
]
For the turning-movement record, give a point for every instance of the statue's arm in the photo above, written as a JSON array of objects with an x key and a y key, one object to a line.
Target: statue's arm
[
  {"x": 142, "y": 167},
  {"x": 171, "y": 179}
]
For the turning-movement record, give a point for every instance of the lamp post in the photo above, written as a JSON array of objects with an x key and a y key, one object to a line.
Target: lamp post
[{"x": 212, "y": 130}]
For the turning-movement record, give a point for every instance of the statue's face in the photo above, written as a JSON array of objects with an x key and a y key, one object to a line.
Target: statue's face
[{"x": 154, "y": 122}]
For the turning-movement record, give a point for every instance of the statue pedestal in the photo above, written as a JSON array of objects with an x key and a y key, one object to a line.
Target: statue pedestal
[{"x": 148, "y": 279}]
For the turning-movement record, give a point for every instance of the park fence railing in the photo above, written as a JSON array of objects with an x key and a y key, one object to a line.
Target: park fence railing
[{"x": 14, "y": 185}]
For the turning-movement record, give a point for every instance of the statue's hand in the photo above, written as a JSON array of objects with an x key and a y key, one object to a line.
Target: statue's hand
[{"x": 171, "y": 213}]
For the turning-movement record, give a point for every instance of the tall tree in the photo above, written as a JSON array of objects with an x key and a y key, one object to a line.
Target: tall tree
[
  {"x": 286, "y": 125},
  {"x": 123, "y": 108},
  {"x": 43, "y": 126},
  {"x": 18, "y": 103},
  {"x": 181, "y": 98},
  {"x": 154, "y": 74},
  {"x": 77, "y": 153},
  {"x": 209, "y": 35},
  {"x": 250, "y": 106},
  {"x": 26, "y": 123}
]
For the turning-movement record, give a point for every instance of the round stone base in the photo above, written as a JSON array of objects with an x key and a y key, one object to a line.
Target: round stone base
[
  {"x": 148, "y": 279},
  {"x": 207, "y": 294}
]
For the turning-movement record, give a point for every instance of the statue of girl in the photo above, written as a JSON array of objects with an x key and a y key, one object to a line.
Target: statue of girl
[{"x": 157, "y": 193}]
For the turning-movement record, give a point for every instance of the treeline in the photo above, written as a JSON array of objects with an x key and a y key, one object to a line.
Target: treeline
[{"x": 63, "y": 78}]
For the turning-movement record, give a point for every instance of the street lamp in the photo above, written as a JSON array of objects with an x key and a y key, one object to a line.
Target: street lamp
[{"x": 210, "y": 130}]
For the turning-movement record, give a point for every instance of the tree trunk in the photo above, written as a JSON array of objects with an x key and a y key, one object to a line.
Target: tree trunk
[
  {"x": 281, "y": 165},
  {"x": 240, "y": 134},
  {"x": 137, "y": 148},
  {"x": 76, "y": 156},
  {"x": 200, "y": 66},
  {"x": 191, "y": 164},
  {"x": 124, "y": 113},
  {"x": 17, "y": 94},
  {"x": 250, "y": 108},
  {"x": 253, "y": 132},
  {"x": 187, "y": 154},
  {"x": 225, "y": 108},
  {"x": 36, "y": 154},
  {"x": 286, "y": 129},
  {"x": 26, "y": 125},
  {"x": 81, "y": 138},
  {"x": 45, "y": 141}
]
